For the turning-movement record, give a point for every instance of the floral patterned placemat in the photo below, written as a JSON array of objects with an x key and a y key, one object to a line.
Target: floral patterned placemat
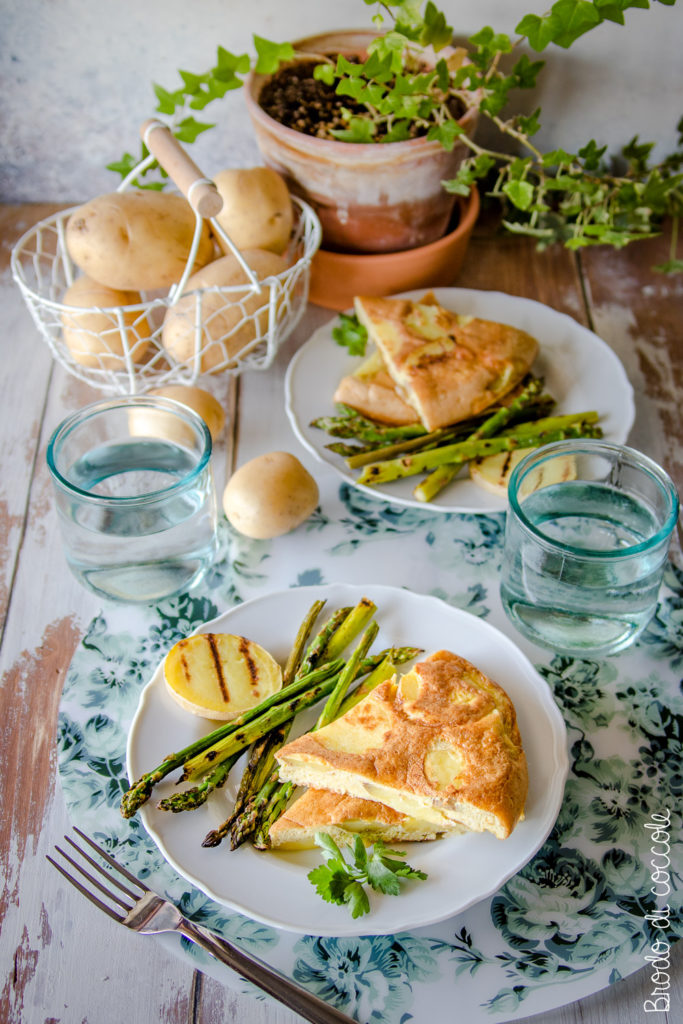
[{"x": 583, "y": 913}]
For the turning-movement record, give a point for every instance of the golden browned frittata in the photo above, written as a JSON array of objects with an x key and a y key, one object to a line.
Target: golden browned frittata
[
  {"x": 343, "y": 817},
  {"x": 442, "y": 745},
  {"x": 445, "y": 366}
]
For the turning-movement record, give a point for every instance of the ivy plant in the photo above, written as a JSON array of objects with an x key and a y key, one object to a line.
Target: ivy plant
[{"x": 581, "y": 198}]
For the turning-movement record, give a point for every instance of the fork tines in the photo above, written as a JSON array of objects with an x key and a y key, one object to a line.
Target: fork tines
[{"x": 125, "y": 904}]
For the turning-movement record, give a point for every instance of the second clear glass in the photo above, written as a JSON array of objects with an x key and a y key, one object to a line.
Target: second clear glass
[{"x": 586, "y": 538}]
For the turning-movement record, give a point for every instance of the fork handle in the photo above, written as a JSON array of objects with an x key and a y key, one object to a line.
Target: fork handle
[{"x": 256, "y": 971}]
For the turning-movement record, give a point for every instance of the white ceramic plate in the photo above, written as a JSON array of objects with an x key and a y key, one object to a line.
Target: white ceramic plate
[
  {"x": 272, "y": 887},
  {"x": 581, "y": 372}
]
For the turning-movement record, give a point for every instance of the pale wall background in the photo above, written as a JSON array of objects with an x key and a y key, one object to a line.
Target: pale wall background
[{"x": 76, "y": 78}]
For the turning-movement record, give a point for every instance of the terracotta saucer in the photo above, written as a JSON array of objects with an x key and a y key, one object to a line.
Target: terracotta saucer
[{"x": 336, "y": 277}]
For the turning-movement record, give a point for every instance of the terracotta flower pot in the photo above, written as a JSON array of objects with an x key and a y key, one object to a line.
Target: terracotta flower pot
[
  {"x": 370, "y": 197},
  {"x": 336, "y": 277}
]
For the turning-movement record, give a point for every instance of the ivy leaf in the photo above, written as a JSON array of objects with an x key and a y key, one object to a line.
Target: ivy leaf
[
  {"x": 531, "y": 124},
  {"x": 168, "y": 101},
  {"x": 591, "y": 154},
  {"x": 411, "y": 85},
  {"x": 124, "y": 166},
  {"x": 571, "y": 19},
  {"x": 568, "y": 19},
  {"x": 347, "y": 67},
  {"x": 352, "y": 87},
  {"x": 610, "y": 11},
  {"x": 497, "y": 95},
  {"x": 360, "y": 129},
  {"x": 442, "y": 76},
  {"x": 271, "y": 55},
  {"x": 537, "y": 30},
  {"x": 446, "y": 133},
  {"x": 674, "y": 266},
  {"x": 410, "y": 107},
  {"x": 557, "y": 158},
  {"x": 376, "y": 67},
  {"x": 657, "y": 189},
  {"x": 228, "y": 64},
  {"x": 399, "y": 132},
  {"x": 469, "y": 172},
  {"x": 189, "y": 129},
  {"x": 525, "y": 72},
  {"x": 436, "y": 31},
  {"x": 520, "y": 193},
  {"x": 324, "y": 73},
  {"x": 488, "y": 43},
  {"x": 192, "y": 82},
  {"x": 214, "y": 90},
  {"x": 637, "y": 154},
  {"x": 390, "y": 48}
]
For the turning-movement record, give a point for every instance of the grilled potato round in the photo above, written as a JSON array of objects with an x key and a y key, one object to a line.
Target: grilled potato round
[{"x": 220, "y": 675}]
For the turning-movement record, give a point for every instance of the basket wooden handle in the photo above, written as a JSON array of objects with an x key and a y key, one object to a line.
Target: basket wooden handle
[{"x": 201, "y": 194}]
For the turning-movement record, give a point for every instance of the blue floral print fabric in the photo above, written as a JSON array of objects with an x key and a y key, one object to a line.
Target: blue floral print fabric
[{"x": 584, "y": 912}]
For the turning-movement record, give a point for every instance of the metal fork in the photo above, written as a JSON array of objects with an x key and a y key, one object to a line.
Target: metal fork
[{"x": 142, "y": 910}]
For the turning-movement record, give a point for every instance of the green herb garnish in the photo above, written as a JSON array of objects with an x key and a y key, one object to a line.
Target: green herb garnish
[
  {"x": 341, "y": 882},
  {"x": 350, "y": 333}
]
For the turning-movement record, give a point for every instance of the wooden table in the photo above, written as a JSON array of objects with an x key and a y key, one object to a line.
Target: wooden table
[{"x": 62, "y": 960}]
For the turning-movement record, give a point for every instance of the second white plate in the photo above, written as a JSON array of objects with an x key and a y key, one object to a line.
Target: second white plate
[
  {"x": 580, "y": 370},
  {"x": 273, "y": 887}
]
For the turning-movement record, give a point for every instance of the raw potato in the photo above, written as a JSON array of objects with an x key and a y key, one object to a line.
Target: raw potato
[
  {"x": 145, "y": 422},
  {"x": 257, "y": 208},
  {"x": 94, "y": 337},
  {"x": 220, "y": 675},
  {"x": 203, "y": 403},
  {"x": 137, "y": 240},
  {"x": 270, "y": 495},
  {"x": 221, "y": 314}
]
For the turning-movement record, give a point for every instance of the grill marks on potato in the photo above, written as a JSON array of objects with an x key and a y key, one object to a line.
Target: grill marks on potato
[
  {"x": 250, "y": 664},
  {"x": 219, "y": 669}
]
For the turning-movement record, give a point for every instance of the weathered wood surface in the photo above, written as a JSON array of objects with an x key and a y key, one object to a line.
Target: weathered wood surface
[{"x": 60, "y": 959}]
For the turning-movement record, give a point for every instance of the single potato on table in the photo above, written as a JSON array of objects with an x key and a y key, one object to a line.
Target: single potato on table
[
  {"x": 202, "y": 402},
  {"x": 146, "y": 422},
  {"x": 269, "y": 496}
]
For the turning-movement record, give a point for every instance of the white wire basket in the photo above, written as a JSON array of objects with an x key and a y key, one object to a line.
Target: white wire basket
[{"x": 121, "y": 350}]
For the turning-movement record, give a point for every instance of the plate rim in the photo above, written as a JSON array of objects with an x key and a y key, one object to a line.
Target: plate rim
[
  {"x": 494, "y": 503},
  {"x": 556, "y": 788}
]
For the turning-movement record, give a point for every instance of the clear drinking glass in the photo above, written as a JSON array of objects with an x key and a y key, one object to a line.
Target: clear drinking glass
[
  {"x": 135, "y": 496},
  {"x": 586, "y": 537}
]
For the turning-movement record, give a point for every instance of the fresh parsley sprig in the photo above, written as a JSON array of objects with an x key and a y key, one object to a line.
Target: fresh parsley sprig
[
  {"x": 350, "y": 333},
  {"x": 341, "y": 882}
]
